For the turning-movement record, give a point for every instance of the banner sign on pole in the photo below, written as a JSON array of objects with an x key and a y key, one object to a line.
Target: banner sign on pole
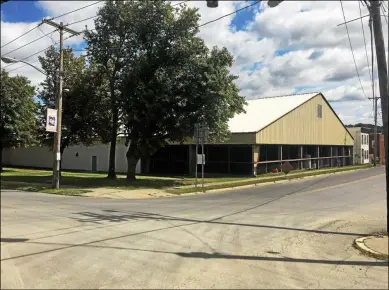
[
  {"x": 200, "y": 159},
  {"x": 51, "y": 120}
]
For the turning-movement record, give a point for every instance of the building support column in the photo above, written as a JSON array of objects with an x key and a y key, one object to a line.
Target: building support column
[
  {"x": 343, "y": 158},
  {"x": 229, "y": 159},
  {"x": 255, "y": 158},
  {"x": 318, "y": 155},
  {"x": 280, "y": 156},
  {"x": 331, "y": 159},
  {"x": 301, "y": 156}
]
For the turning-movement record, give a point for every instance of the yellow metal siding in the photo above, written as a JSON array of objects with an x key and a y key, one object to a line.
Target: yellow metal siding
[
  {"x": 235, "y": 138},
  {"x": 302, "y": 126},
  {"x": 241, "y": 138}
]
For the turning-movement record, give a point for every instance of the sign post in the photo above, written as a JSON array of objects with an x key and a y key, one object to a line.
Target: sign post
[{"x": 201, "y": 134}]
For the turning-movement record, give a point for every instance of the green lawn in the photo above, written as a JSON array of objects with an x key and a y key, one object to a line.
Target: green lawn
[
  {"x": 45, "y": 189},
  {"x": 76, "y": 183},
  {"x": 93, "y": 180}
]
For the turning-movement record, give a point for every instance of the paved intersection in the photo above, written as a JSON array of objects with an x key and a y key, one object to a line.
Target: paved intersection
[{"x": 297, "y": 234}]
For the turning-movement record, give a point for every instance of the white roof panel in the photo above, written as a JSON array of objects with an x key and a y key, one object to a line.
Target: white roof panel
[{"x": 263, "y": 111}]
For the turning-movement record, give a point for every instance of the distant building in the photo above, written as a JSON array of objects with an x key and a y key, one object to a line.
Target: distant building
[
  {"x": 361, "y": 145},
  {"x": 380, "y": 147}
]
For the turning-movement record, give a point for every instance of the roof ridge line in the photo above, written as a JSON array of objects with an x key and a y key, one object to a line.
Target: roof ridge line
[{"x": 316, "y": 93}]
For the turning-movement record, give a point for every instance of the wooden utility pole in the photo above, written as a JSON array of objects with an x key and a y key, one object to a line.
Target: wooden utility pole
[
  {"x": 58, "y": 102},
  {"x": 374, "y": 9},
  {"x": 375, "y": 108}
]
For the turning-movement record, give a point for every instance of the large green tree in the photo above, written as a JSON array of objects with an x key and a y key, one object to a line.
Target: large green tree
[
  {"x": 18, "y": 122},
  {"x": 172, "y": 81},
  {"x": 83, "y": 115},
  {"x": 106, "y": 46}
]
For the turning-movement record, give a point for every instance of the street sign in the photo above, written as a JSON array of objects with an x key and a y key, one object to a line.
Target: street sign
[
  {"x": 200, "y": 159},
  {"x": 51, "y": 120}
]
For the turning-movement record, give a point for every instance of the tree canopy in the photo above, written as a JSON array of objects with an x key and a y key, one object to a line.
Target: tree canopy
[{"x": 18, "y": 122}]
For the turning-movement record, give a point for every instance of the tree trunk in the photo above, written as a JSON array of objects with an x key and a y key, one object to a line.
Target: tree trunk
[
  {"x": 132, "y": 161},
  {"x": 112, "y": 148}
]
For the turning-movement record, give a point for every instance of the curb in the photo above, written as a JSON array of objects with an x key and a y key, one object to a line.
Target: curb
[
  {"x": 293, "y": 179},
  {"x": 360, "y": 245}
]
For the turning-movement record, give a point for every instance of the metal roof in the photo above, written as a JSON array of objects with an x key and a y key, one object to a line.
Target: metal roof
[{"x": 264, "y": 111}]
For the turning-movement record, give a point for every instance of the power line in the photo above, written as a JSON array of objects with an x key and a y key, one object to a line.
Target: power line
[
  {"x": 82, "y": 20},
  {"x": 36, "y": 54},
  {"x": 67, "y": 13},
  {"x": 206, "y": 23},
  {"x": 39, "y": 39},
  {"x": 30, "y": 42},
  {"x": 51, "y": 19},
  {"x": 384, "y": 4},
  {"x": 352, "y": 51},
  {"x": 383, "y": 9},
  {"x": 51, "y": 36},
  {"x": 21, "y": 36},
  {"x": 364, "y": 40}
]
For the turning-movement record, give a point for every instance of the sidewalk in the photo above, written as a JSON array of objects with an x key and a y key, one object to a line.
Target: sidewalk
[
  {"x": 126, "y": 194},
  {"x": 374, "y": 246}
]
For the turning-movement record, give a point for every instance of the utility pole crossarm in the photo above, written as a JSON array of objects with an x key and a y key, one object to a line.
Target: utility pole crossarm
[{"x": 60, "y": 26}]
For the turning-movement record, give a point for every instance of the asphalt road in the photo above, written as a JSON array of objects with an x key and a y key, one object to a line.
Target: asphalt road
[{"x": 296, "y": 234}]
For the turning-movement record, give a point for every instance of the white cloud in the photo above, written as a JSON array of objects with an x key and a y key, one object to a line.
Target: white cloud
[{"x": 319, "y": 59}]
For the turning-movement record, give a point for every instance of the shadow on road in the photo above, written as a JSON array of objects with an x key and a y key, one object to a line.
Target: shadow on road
[
  {"x": 203, "y": 255},
  {"x": 13, "y": 240},
  {"x": 89, "y": 217},
  {"x": 113, "y": 216}
]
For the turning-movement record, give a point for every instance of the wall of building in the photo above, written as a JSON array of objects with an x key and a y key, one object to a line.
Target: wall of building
[
  {"x": 365, "y": 158},
  {"x": 361, "y": 146},
  {"x": 302, "y": 126},
  {"x": 42, "y": 157},
  {"x": 380, "y": 147}
]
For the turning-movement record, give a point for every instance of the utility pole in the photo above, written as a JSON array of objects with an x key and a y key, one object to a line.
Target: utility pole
[
  {"x": 374, "y": 9},
  {"x": 375, "y": 108},
  {"x": 58, "y": 103}
]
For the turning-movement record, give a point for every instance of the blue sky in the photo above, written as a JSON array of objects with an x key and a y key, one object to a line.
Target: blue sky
[{"x": 22, "y": 11}]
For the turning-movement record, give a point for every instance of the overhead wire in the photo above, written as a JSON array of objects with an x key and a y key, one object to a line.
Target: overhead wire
[
  {"x": 20, "y": 47},
  {"x": 352, "y": 51},
  {"x": 364, "y": 39},
  {"x": 67, "y": 13},
  {"x": 82, "y": 20},
  {"x": 384, "y": 11},
  {"x": 201, "y": 25},
  {"x": 38, "y": 53},
  {"x": 51, "y": 35}
]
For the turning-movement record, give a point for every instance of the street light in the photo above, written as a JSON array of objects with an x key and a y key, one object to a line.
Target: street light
[
  {"x": 271, "y": 3},
  {"x": 12, "y": 60},
  {"x": 274, "y": 3},
  {"x": 212, "y": 3}
]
